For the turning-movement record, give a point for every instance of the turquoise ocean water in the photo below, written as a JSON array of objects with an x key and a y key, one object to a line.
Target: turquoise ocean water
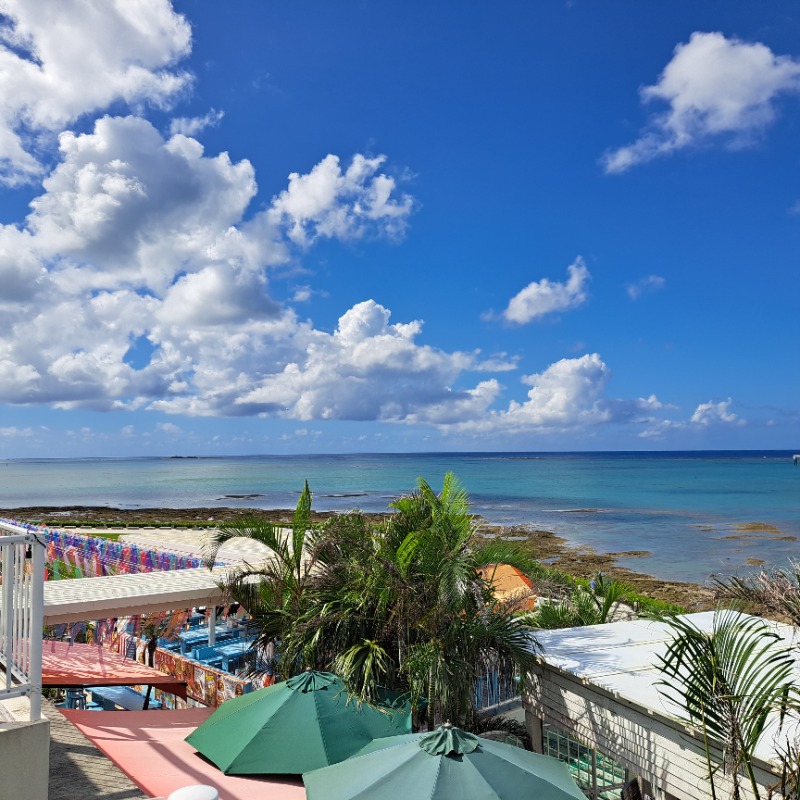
[{"x": 681, "y": 507}]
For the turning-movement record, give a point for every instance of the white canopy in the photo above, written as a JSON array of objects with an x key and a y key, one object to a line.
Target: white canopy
[{"x": 122, "y": 595}]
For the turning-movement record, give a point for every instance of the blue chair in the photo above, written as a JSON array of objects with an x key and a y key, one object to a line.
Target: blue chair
[{"x": 76, "y": 698}]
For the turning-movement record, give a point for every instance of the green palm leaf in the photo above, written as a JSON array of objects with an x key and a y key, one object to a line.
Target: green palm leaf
[{"x": 730, "y": 681}]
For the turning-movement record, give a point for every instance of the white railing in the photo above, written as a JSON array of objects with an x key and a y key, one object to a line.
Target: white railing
[{"x": 21, "y": 615}]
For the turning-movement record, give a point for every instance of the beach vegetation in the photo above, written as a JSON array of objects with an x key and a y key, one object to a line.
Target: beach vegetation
[
  {"x": 397, "y": 607},
  {"x": 583, "y": 603},
  {"x": 775, "y": 592},
  {"x": 554, "y": 582},
  {"x": 275, "y": 590}
]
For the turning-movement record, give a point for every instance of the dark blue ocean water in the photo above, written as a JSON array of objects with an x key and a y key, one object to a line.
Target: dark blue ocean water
[{"x": 685, "y": 508}]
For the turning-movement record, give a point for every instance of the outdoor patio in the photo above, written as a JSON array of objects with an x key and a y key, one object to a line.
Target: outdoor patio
[{"x": 78, "y": 769}]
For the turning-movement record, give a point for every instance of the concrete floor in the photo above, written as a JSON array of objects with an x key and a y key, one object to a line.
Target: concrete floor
[{"x": 79, "y": 770}]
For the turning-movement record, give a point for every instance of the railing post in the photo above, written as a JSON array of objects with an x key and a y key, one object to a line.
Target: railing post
[
  {"x": 22, "y": 614},
  {"x": 212, "y": 627},
  {"x": 7, "y": 631},
  {"x": 36, "y": 630}
]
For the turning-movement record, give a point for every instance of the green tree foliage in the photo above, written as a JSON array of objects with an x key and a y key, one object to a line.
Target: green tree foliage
[
  {"x": 583, "y": 605},
  {"x": 397, "y": 608},
  {"x": 275, "y": 590}
]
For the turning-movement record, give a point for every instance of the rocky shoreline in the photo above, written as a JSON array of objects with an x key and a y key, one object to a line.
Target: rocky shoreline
[{"x": 549, "y": 548}]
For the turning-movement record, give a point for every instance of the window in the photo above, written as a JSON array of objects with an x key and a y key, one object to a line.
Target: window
[{"x": 598, "y": 775}]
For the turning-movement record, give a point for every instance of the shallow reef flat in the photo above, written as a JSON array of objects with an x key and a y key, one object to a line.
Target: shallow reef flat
[{"x": 549, "y": 548}]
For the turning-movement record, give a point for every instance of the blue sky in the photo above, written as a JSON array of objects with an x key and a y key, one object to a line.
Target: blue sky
[{"x": 258, "y": 227}]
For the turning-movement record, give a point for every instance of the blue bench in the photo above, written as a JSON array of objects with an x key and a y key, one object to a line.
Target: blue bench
[
  {"x": 207, "y": 655},
  {"x": 188, "y": 640},
  {"x": 114, "y": 697},
  {"x": 233, "y": 651}
]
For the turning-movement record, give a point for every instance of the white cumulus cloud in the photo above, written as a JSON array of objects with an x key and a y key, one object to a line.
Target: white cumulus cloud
[
  {"x": 60, "y": 59},
  {"x": 568, "y": 394},
  {"x": 138, "y": 280},
  {"x": 368, "y": 368},
  {"x": 330, "y": 202},
  {"x": 543, "y": 297},
  {"x": 713, "y": 413},
  {"x": 715, "y": 88}
]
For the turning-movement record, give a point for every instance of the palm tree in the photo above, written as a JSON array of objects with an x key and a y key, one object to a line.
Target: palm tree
[
  {"x": 273, "y": 590},
  {"x": 729, "y": 681},
  {"x": 593, "y": 606},
  {"x": 776, "y": 591},
  {"x": 407, "y": 608},
  {"x": 397, "y": 608}
]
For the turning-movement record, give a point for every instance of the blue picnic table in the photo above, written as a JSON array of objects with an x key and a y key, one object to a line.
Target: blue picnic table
[
  {"x": 122, "y": 697},
  {"x": 233, "y": 650},
  {"x": 196, "y": 636}
]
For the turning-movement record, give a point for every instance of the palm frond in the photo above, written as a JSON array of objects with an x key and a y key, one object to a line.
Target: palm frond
[
  {"x": 729, "y": 680},
  {"x": 364, "y": 667}
]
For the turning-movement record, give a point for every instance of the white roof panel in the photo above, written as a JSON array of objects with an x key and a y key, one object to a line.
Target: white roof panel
[
  {"x": 120, "y": 595},
  {"x": 622, "y": 659},
  {"x": 193, "y": 542}
]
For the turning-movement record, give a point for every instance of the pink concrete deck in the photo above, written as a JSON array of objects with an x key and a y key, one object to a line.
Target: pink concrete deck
[
  {"x": 149, "y": 747},
  {"x": 69, "y": 664}
]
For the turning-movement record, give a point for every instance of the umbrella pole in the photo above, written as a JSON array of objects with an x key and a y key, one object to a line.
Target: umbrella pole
[{"x": 147, "y": 697}]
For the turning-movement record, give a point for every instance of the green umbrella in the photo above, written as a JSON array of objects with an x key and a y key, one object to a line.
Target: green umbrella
[
  {"x": 292, "y": 727},
  {"x": 445, "y": 764}
]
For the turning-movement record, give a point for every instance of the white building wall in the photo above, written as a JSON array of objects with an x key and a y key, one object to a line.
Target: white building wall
[
  {"x": 24, "y": 760},
  {"x": 668, "y": 757}
]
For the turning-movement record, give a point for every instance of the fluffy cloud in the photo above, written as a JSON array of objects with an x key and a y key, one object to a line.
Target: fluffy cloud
[
  {"x": 715, "y": 88},
  {"x": 139, "y": 280},
  {"x": 543, "y": 297},
  {"x": 125, "y": 206},
  {"x": 568, "y": 394},
  {"x": 704, "y": 416},
  {"x": 366, "y": 369},
  {"x": 652, "y": 283},
  {"x": 714, "y": 413},
  {"x": 60, "y": 59},
  {"x": 328, "y": 202}
]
